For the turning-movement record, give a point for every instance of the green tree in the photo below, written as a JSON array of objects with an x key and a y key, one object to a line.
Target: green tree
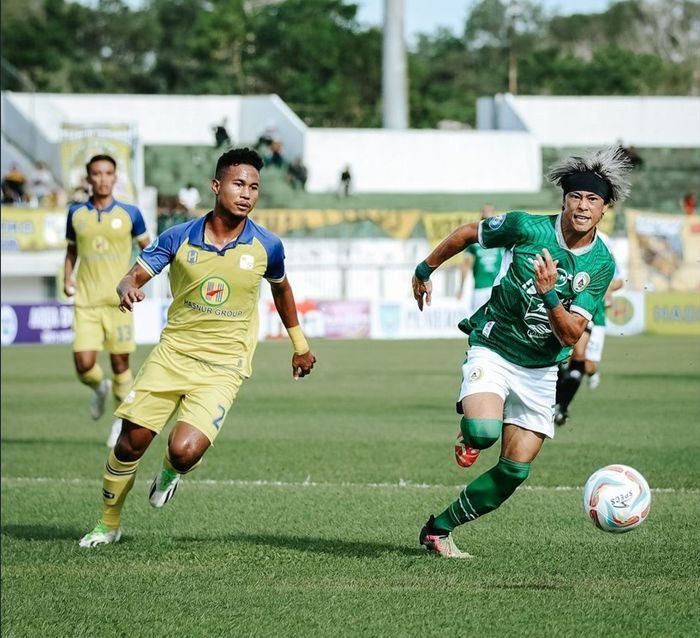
[{"x": 330, "y": 77}]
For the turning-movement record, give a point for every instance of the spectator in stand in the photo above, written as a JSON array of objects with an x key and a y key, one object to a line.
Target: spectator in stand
[
  {"x": 689, "y": 203},
  {"x": 13, "y": 183},
  {"x": 170, "y": 213},
  {"x": 221, "y": 136},
  {"x": 275, "y": 156},
  {"x": 41, "y": 183},
  {"x": 9, "y": 196},
  {"x": 268, "y": 135},
  {"x": 297, "y": 174},
  {"x": 345, "y": 182},
  {"x": 190, "y": 198}
]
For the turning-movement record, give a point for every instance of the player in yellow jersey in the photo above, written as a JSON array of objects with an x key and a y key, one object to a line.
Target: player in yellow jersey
[
  {"x": 100, "y": 235},
  {"x": 206, "y": 349}
]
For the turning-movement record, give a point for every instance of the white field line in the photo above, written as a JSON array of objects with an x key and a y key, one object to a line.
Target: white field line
[{"x": 401, "y": 484}]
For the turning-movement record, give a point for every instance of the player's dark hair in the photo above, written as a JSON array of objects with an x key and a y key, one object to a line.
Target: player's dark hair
[
  {"x": 100, "y": 158},
  {"x": 610, "y": 166},
  {"x": 237, "y": 156}
]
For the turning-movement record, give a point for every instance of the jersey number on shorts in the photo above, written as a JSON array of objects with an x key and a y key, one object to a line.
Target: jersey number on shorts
[
  {"x": 217, "y": 421},
  {"x": 123, "y": 333}
]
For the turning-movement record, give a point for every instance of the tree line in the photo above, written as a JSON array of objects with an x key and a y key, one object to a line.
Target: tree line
[{"x": 327, "y": 66}]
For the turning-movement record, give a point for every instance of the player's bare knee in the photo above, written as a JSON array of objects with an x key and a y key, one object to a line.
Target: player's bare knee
[
  {"x": 84, "y": 362},
  {"x": 127, "y": 450},
  {"x": 132, "y": 442},
  {"x": 119, "y": 362},
  {"x": 184, "y": 454}
]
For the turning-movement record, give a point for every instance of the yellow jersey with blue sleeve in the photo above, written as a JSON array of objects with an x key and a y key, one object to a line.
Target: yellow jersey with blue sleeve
[
  {"x": 104, "y": 239},
  {"x": 214, "y": 313}
]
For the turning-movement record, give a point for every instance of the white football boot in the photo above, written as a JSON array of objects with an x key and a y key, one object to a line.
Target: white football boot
[
  {"x": 594, "y": 381},
  {"x": 163, "y": 487},
  {"x": 114, "y": 433},
  {"x": 99, "y": 398},
  {"x": 101, "y": 535}
]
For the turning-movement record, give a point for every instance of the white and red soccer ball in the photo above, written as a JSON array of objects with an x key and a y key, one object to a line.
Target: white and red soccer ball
[{"x": 616, "y": 498}]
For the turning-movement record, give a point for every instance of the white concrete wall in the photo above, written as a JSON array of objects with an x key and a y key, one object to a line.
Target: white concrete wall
[
  {"x": 157, "y": 119},
  {"x": 423, "y": 161},
  {"x": 672, "y": 122}
]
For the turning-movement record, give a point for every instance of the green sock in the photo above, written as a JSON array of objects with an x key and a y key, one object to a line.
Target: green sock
[{"x": 484, "y": 494}]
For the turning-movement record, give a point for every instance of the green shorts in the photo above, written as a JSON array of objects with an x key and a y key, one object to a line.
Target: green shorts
[
  {"x": 170, "y": 381},
  {"x": 95, "y": 329}
]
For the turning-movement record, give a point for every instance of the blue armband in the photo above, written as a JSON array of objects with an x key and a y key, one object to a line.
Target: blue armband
[
  {"x": 551, "y": 299},
  {"x": 423, "y": 271}
]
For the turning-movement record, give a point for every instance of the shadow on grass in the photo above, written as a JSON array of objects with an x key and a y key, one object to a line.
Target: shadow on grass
[
  {"x": 42, "y": 532},
  {"x": 333, "y": 546}
]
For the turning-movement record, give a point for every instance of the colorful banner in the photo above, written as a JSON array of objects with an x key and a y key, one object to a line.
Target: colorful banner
[
  {"x": 673, "y": 313},
  {"x": 325, "y": 319},
  {"x": 81, "y": 142},
  {"x": 32, "y": 228},
  {"x": 398, "y": 224},
  {"x": 625, "y": 315},
  {"x": 664, "y": 252},
  {"x": 403, "y": 320},
  {"x": 48, "y": 322}
]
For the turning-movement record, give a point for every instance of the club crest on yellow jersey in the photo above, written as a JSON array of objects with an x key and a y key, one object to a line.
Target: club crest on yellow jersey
[
  {"x": 100, "y": 244},
  {"x": 214, "y": 291}
]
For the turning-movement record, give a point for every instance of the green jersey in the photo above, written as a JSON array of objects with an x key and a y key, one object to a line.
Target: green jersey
[
  {"x": 515, "y": 323},
  {"x": 599, "y": 314},
  {"x": 487, "y": 263}
]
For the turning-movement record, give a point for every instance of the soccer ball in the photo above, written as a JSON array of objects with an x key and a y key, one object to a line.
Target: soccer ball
[{"x": 616, "y": 498}]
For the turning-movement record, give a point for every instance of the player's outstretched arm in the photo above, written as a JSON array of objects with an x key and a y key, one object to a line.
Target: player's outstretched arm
[
  {"x": 303, "y": 359},
  {"x": 566, "y": 326},
  {"x": 129, "y": 288},
  {"x": 454, "y": 243}
]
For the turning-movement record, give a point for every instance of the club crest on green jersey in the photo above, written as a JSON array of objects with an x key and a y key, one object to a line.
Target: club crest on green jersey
[
  {"x": 214, "y": 291},
  {"x": 496, "y": 222},
  {"x": 192, "y": 256},
  {"x": 581, "y": 281}
]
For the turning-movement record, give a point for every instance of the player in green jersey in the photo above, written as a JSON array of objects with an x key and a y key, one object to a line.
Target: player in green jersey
[
  {"x": 555, "y": 272},
  {"x": 216, "y": 265},
  {"x": 100, "y": 235},
  {"x": 484, "y": 265}
]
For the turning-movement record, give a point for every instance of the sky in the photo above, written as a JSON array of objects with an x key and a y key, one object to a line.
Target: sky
[{"x": 426, "y": 16}]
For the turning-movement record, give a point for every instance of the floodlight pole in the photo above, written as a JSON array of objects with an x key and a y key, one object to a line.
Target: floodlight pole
[{"x": 394, "y": 74}]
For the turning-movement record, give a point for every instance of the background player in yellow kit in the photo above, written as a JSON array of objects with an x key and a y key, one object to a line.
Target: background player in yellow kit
[
  {"x": 206, "y": 349},
  {"x": 100, "y": 234}
]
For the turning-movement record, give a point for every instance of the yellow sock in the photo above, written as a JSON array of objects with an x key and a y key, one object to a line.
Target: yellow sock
[
  {"x": 92, "y": 377},
  {"x": 121, "y": 384},
  {"x": 117, "y": 481}
]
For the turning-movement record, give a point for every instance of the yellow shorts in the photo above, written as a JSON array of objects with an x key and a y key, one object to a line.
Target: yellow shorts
[
  {"x": 103, "y": 327},
  {"x": 168, "y": 381}
]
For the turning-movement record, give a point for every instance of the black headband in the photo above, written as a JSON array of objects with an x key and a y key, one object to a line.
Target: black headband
[{"x": 588, "y": 181}]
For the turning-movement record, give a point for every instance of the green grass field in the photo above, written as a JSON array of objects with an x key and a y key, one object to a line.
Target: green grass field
[{"x": 304, "y": 518}]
